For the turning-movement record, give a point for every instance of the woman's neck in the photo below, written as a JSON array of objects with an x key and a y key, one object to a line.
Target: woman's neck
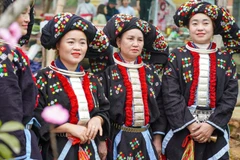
[{"x": 202, "y": 46}]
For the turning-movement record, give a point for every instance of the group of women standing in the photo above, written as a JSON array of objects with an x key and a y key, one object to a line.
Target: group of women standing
[{"x": 125, "y": 111}]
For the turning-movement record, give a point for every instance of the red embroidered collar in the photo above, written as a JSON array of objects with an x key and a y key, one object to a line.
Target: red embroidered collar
[
  {"x": 212, "y": 81},
  {"x": 72, "y": 97},
  {"x": 129, "y": 91}
]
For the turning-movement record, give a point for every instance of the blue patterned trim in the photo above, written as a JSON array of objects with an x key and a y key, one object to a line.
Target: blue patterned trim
[
  {"x": 95, "y": 150},
  {"x": 34, "y": 122},
  {"x": 116, "y": 142},
  {"x": 27, "y": 156},
  {"x": 184, "y": 126},
  {"x": 166, "y": 139},
  {"x": 157, "y": 132},
  {"x": 65, "y": 150},
  {"x": 223, "y": 150},
  {"x": 214, "y": 125},
  {"x": 149, "y": 146}
]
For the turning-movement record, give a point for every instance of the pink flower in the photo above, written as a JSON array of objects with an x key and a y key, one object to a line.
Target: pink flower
[
  {"x": 11, "y": 35},
  {"x": 55, "y": 114}
]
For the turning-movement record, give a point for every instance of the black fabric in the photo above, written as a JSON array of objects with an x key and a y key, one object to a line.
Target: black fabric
[{"x": 18, "y": 95}]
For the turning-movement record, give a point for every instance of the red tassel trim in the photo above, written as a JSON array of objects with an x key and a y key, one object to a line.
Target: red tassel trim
[
  {"x": 72, "y": 97},
  {"x": 195, "y": 78},
  {"x": 212, "y": 85},
  {"x": 129, "y": 92}
]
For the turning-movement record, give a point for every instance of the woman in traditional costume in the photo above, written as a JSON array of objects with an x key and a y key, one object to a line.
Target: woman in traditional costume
[
  {"x": 65, "y": 82},
  {"x": 200, "y": 85},
  {"x": 134, "y": 89}
]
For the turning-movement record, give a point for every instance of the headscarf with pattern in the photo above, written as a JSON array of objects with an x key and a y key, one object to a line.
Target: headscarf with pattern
[
  {"x": 225, "y": 24},
  {"x": 56, "y": 28},
  {"x": 154, "y": 43}
]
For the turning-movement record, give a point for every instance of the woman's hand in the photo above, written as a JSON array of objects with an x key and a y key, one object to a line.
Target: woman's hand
[
  {"x": 94, "y": 125},
  {"x": 102, "y": 150},
  {"x": 78, "y": 131},
  {"x": 203, "y": 133},
  {"x": 157, "y": 141}
]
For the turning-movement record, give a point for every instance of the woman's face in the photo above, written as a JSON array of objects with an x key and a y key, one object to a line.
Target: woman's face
[
  {"x": 72, "y": 48},
  {"x": 201, "y": 28},
  {"x": 131, "y": 44},
  {"x": 23, "y": 20}
]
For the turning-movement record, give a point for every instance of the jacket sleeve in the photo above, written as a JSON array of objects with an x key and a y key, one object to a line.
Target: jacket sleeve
[
  {"x": 177, "y": 112},
  {"x": 159, "y": 126},
  {"x": 102, "y": 109},
  {"x": 225, "y": 106}
]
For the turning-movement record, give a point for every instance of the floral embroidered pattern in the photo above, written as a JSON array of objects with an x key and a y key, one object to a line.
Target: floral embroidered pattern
[
  {"x": 55, "y": 88},
  {"x": 159, "y": 44},
  {"x": 82, "y": 26},
  {"x": 115, "y": 75},
  {"x": 52, "y": 102},
  {"x": 3, "y": 70},
  {"x": 150, "y": 79},
  {"x": 121, "y": 156},
  {"x": 50, "y": 74},
  {"x": 119, "y": 22},
  {"x": 143, "y": 26},
  {"x": 171, "y": 57},
  {"x": 118, "y": 89},
  {"x": 168, "y": 71},
  {"x": 187, "y": 76},
  {"x": 100, "y": 41},
  {"x": 152, "y": 93},
  {"x": 60, "y": 23},
  {"x": 221, "y": 63},
  {"x": 186, "y": 62},
  {"x": 139, "y": 156},
  {"x": 93, "y": 87},
  {"x": 41, "y": 82},
  {"x": 229, "y": 72},
  {"x": 134, "y": 144}
]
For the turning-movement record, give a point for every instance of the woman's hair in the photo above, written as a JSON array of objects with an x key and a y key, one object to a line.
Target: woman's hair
[{"x": 100, "y": 9}]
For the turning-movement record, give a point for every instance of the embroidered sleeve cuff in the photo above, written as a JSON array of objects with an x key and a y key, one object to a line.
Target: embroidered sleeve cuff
[
  {"x": 216, "y": 126},
  {"x": 184, "y": 126}
]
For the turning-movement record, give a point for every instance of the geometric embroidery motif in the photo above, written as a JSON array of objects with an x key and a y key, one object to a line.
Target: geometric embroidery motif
[
  {"x": 150, "y": 79},
  {"x": 233, "y": 62},
  {"x": 115, "y": 75},
  {"x": 171, "y": 57},
  {"x": 186, "y": 62},
  {"x": 88, "y": 151},
  {"x": 229, "y": 72},
  {"x": 168, "y": 71},
  {"x": 134, "y": 144},
  {"x": 93, "y": 87},
  {"x": 53, "y": 102},
  {"x": 187, "y": 76},
  {"x": 41, "y": 82},
  {"x": 118, "y": 89},
  {"x": 55, "y": 88},
  {"x": 152, "y": 93},
  {"x": 139, "y": 155},
  {"x": 121, "y": 156},
  {"x": 3, "y": 70},
  {"x": 221, "y": 63}
]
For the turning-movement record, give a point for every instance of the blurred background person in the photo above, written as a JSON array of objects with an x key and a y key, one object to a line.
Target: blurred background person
[
  {"x": 143, "y": 7},
  {"x": 125, "y": 8},
  {"x": 100, "y": 18},
  {"x": 111, "y": 9},
  {"x": 86, "y": 10}
]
